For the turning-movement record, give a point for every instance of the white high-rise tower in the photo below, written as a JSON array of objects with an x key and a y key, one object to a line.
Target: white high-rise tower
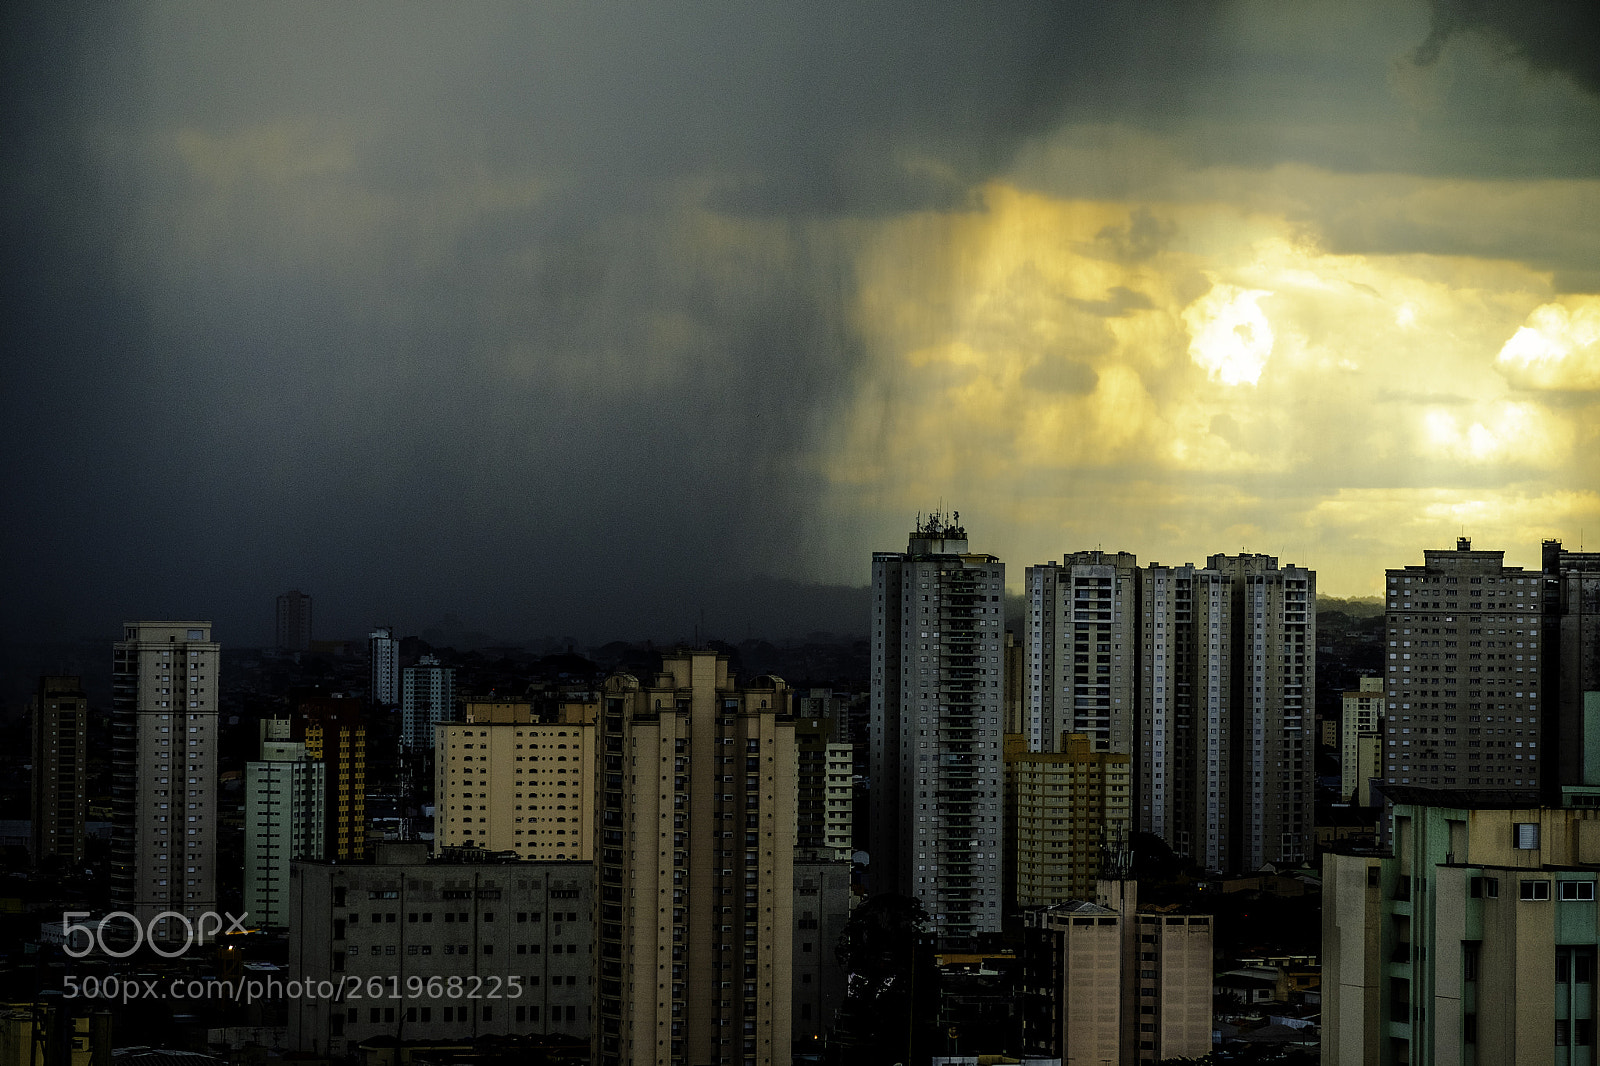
[{"x": 938, "y": 628}]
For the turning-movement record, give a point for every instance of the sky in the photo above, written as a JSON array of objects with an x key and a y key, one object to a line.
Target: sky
[{"x": 576, "y": 318}]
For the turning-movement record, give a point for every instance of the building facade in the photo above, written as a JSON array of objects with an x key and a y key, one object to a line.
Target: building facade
[
  {"x": 427, "y": 697},
  {"x": 458, "y": 948},
  {"x": 1064, "y": 809},
  {"x": 1463, "y": 681},
  {"x": 1473, "y": 941},
  {"x": 293, "y": 621},
  {"x": 285, "y": 818},
  {"x": 695, "y": 864},
  {"x": 937, "y": 702},
  {"x": 60, "y": 737},
  {"x": 505, "y": 783},
  {"x": 164, "y": 683},
  {"x": 383, "y": 655}
]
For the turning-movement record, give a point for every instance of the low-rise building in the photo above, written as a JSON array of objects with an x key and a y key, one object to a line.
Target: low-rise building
[
  {"x": 1107, "y": 982},
  {"x": 455, "y": 948}
]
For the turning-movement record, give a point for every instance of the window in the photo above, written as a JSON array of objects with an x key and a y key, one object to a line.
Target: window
[
  {"x": 1577, "y": 890},
  {"x": 1535, "y": 890},
  {"x": 1525, "y": 836}
]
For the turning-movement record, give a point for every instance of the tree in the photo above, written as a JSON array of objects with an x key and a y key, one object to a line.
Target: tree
[{"x": 891, "y": 1007}]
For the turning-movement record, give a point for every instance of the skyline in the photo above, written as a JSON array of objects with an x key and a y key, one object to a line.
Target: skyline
[{"x": 520, "y": 311}]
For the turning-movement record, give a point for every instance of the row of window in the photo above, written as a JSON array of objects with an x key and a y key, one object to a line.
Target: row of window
[{"x": 1489, "y": 888}]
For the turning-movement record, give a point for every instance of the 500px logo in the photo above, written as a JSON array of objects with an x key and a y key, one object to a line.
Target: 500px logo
[{"x": 193, "y": 932}]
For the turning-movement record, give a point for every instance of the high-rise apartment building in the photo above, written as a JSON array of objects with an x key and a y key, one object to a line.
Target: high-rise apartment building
[
  {"x": 503, "y": 782},
  {"x": 1203, "y": 675},
  {"x": 427, "y": 697},
  {"x": 695, "y": 867},
  {"x": 1475, "y": 941},
  {"x": 1570, "y": 656},
  {"x": 1105, "y": 982},
  {"x": 1360, "y": 740},
  {"x": 334, "y": 732},
  {"x": 165, "y": 684},
  {"x": 937, "y": 646},
  {"x": 1064, "y": 809},
  {"x": 1083, "y": 620},
  {"x": 294, "y": 621},
  {"x": 60, "y": 784},
  {"x": 1463, "y": 679},
  {"x": 1273, "y": 670},
  {"x": 383, "y": 652},
  {"x": 285, "y": 818}
]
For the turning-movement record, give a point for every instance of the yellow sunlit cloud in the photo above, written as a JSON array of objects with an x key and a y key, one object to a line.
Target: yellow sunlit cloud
[
  {"x": 1559, "y": 348},
  {"x": 1232, "y": 338},
  {"x": 1231, "y": 384}
]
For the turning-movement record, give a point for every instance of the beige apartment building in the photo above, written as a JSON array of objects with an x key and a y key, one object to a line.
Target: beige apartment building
[
  {"x": 1105, "y": 982},
  {"x": 503, "y": 782},
  {"x": 164, "y": 689},
  {"x": 695, "y": 867},
  {"x": 1063, "y": 808}
]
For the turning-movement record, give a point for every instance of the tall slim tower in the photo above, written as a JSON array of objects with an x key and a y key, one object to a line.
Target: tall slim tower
[
  {"x": 1083, "y": 619},
  {"x": 937, "y": 662},
  {"x": 1274, "y": 683},
  {"x": 696, "y": 867},
  {"x": 165, "y": 684},
  {"x": 294, "y": 621},
  {"x": 60, "y": 769},
  {"x": 384, "y": 652}
]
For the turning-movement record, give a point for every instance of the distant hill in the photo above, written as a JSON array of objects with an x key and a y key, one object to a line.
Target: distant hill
[{"x": 1355, "y": 606}]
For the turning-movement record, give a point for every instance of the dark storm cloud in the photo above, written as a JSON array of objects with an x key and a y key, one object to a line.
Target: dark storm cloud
[
  {"x": 1550, "y": 35},
  {"x": 543, "y": 313},
  {"x": 516, "y": 309}
]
